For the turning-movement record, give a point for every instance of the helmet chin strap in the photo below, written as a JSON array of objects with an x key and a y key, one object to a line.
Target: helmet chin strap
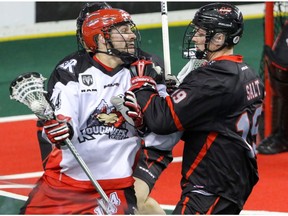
[
  {"x": 202, "y": 54},
  {"x": 126, "y": 57}
]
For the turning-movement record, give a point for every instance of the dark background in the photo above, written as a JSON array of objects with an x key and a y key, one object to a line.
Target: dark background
[{"x": 56, "y": 11}]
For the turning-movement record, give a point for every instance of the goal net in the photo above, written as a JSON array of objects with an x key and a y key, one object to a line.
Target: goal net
[{"x": 276, "y": 13}]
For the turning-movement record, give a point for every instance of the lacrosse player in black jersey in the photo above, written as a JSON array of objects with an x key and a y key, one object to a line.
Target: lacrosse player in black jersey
[
  {"x": 217, "y": 106},
  {"x": 151, "y": 161}
]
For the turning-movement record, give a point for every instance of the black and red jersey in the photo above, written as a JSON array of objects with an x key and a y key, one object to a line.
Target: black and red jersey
[{"x": 218, "y": 108}]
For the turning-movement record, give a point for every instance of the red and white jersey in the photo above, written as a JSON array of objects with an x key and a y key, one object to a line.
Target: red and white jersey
[{"x": 81, "y": 88}]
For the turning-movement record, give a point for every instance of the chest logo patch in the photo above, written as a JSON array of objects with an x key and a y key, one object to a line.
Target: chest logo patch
[{"x": 87, "y": 80}]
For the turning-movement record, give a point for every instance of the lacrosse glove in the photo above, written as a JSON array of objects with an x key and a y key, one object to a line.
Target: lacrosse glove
[
  {"x": 145, "y": 75},
  {"x": 144, "y": 67},
  {"x": 130, "y": 110},
  {"x": 58, "y": 130},
  {"x": 171, "y": 82}
]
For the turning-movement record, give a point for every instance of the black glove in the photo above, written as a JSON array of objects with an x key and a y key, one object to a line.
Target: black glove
[
  {"x": 171, "y": 82},
  {"x": 144, "y": 67}
]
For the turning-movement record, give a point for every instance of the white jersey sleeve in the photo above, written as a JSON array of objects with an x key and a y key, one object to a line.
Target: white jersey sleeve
[{"x": 162, "y": 142}]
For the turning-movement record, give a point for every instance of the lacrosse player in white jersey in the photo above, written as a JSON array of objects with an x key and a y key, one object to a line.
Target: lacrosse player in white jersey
[{"x": 80, "y": 89}]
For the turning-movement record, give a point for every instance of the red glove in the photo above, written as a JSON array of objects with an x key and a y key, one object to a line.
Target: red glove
[
  {"x": 143, "y": 83},
  {"x": 58, "y": 130}
]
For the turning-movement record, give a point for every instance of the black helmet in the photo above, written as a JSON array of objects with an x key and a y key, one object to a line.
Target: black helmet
[
  {"x": 214, "y": 18},
  {"x": 87, "y": 9},
  {"x": 221, "y": 17}
]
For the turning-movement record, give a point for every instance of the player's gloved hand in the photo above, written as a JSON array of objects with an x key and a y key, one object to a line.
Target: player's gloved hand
[
  {"x": 130, "y": 110},
  {"x": 143, "y": 83},
  {"x": 134, "y": 110},
  {"x": 57, "y": 130},
  {"x": 128, "y": 106},
  {"x": 171, "y": 83},
  {"x": 144, "y": 67}
]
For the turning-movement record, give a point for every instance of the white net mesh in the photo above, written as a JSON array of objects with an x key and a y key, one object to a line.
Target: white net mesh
[
  {"x": 191, "y": 65},
  {"x": 29, "y": 90}
]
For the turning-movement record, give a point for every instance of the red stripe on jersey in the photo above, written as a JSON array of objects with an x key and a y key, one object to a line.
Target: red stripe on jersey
[
  {"x": 145, "y": 151},
  {"x": 107, "y": 68},
  {"x": 148, "y": 102},
  {"x": 210, "y": 210},
  {"x": 146, "y": 155},
  {"x": 186, "y": 200},
  {"x": 159, "y": 159},
  {"x": 174, "y": 115},
  {"x": 210, "y": 139},
  {"x": 233, "y": 58}
]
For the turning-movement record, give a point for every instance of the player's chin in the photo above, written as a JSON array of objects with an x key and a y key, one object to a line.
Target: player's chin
[
  {"x": 131, "y": 50},
  {"x": 199, "y": 49}
]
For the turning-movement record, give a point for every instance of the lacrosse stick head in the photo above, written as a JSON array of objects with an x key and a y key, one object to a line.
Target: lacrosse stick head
[{"x": 28, "y": 89}]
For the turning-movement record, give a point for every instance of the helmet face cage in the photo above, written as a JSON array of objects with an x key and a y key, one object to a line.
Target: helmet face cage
[
  {"x": 188, "y": 47},
  {"x": 86, "y": 10},
  {"x": 102, "y": 22},
  {"x": 220, "y": 18},
  {"x": 112, "y": 45},
  {"x": 189, "y": 50}
]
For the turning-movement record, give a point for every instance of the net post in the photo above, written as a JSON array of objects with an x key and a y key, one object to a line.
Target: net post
[{"x": 269, "y": 39}]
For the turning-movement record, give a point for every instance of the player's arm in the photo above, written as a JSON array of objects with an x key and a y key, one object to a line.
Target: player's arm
[
  {"x": 162, "y": 142},
  {"x": 192, "y": 105},
  {"x": 145, "y": 76},
  {"x": 62, "y": 87},
  {"x": 158, "y": 112}
]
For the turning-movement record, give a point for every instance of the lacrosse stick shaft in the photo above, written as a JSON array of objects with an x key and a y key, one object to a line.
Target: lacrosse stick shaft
[
  {"x": 90, "y": 176},
  {"x": 28, "y": 89},
  {"x": 165, "y": 38}
]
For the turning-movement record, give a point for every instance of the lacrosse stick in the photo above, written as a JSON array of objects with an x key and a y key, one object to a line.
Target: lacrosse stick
[
  {"x": 29, "y": 89},
  {"x": 165, "y": 38}
]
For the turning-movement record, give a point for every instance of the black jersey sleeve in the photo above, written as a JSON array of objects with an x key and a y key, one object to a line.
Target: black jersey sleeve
[
  {"x": 201, "y": 99},
  {"x": 190, "y": 106}
]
